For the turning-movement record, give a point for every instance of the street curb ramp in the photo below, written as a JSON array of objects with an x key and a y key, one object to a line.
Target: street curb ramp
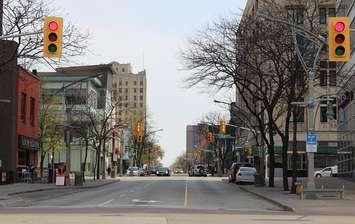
[
  {"x": 57, "y": 188},
  {"x": 281, "y": 205}
]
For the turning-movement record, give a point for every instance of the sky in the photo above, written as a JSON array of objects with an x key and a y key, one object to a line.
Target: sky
[{"x": 150, "y": 34}]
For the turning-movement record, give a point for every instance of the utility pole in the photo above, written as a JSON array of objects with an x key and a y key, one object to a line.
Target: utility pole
[{"x": 1, "y": 16}]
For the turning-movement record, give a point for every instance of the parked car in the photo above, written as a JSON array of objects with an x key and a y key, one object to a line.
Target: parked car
[
  {"x": 245, "y": 175},
  {"x": 232, "y": 172},
  {"x": 141, "y": 172},
  {"x": 178, "y": 171},
  {"x": 327, "y": 172},
  {"x": 152, "y": 171},
  {"x": 163, "y": 171},
  {"x": 133, "y": 171},
  {"x": 198, "y": 170}
]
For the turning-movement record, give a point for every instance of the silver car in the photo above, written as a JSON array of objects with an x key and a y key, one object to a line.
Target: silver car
[
  {"x": 133, "y": 171},
  {"x": 245, "y": 175}
]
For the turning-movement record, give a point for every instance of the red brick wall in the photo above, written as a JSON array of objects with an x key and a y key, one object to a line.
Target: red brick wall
[{"x": 30, "y": 85}]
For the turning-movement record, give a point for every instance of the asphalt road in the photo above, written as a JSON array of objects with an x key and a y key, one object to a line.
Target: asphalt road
[{"x": 137, "y": 193}]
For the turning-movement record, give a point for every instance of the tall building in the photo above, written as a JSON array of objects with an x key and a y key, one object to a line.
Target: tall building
[
  {"x": 193, "y": 135},
  {"x": 129, "y": 92},
  {"x": 346, "y": 105},
  {"x": 325, "y": 90}
]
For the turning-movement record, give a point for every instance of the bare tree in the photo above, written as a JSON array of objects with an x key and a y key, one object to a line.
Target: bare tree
[{"x": 27, "y": 16}]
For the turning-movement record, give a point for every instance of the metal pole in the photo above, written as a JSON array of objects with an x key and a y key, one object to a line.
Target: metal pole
[
  {"x": 67, "y": 156},
  {"x": 1, "y": 16}
]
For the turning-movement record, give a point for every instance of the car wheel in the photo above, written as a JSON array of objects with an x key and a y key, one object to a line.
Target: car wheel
[{"x": 318, "y": 175}]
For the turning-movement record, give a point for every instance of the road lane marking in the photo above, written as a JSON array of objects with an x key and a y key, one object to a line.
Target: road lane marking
[
  {"x": 186, "y": 204},
  {"x": 106, "y": 202}
]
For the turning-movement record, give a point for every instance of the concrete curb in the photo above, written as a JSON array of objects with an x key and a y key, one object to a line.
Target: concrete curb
[
  {"x": 281, "y": 205},
  {"x": 58, "y": 188}
]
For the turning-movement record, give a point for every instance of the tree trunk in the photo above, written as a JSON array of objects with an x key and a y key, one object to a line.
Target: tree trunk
[
  {"x": 285, "y": 165},
  {"x": 294, "y": 153},
  {"x": 98, "y": 157},
  {"x": 104, "y": 160},
  {"x": 43, "y": 155},
  {"x": 272, "y": 165},
  {"x": 85, "y": 158}
]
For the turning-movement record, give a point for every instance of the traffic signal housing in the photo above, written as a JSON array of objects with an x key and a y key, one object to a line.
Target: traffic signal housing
[
  {"x": 140, "y": 138},
  {"x": 53, "y": 37},
  {"x": 210, "y": 137},
  {"x": 138, "y": 128},
  {"x": 222, "y": 127},
  {"x": 339, "y": 38}
]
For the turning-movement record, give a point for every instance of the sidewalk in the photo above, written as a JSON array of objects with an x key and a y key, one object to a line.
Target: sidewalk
[
  {"x": 19, "y": 188},
  {"x": 292, "y": 202}
]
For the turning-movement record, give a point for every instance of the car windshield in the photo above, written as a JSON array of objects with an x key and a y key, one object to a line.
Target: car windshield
[{"x": 247, "y": 170}]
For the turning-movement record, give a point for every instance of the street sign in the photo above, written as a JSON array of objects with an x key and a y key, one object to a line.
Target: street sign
[{"x": 311, "y": 143}]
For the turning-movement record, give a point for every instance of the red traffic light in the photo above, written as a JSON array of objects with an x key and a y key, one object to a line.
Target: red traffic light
[
  {"x": 53, "y": 25},
  {"x": 339, "y": 27}
]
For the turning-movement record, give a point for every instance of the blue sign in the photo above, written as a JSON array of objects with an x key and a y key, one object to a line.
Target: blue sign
[
  {"x": 312, "y": 139},
  {"x": 312, "y": 143}
]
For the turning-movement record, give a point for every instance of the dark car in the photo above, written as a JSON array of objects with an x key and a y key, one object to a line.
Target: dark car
[
  {"x": 163, "y": 171},
  {"x": 152, "y": 171}
]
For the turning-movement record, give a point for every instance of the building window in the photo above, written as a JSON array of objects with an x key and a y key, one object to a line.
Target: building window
[
  {"x": 141, "y": 105},
  {"x": 141, "y": 90},
  {"x": 120, "y": 83},
  {"x": 114, "y": 85},
  {"x": 120, "y": 90},
  {"x": 141, "y": 97},
  {"x": 126, "y": 105},
  {"x": 23, "y": 107},
  {"x": 120, "y": 98},
  {"x": 135, "y": 83},
  {"x": 126, "y": 90},
  {"x": 141, "y": 83},
  {"x": 328, "y": 108},
  {"x": 122, "y": 69},
  {"x": 135, "y": 104},
  {"x": 327, "y": 73},
  {"x": 295, "y": 15},
  {"x": 126, "y": 83},
  {"x": 32, "y": 111},
  {"x": 126, "y": 97},
  {"x": 135, "y": 90},
  {"x": 324, "y": 13},
  {"x": 135, "y": 97}
]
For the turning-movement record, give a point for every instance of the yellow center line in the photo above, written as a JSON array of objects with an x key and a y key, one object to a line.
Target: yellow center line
[{"x": 186, "y": 202}]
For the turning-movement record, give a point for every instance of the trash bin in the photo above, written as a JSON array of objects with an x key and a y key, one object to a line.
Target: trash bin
[
  {"x": 78, "y": 179},
  {"x": 298, "y": 187},
  {"x": 259, "y": 180}
]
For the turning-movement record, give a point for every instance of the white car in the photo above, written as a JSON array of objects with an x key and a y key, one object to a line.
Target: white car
[
  {"x": 245, "y": 174},
  {"x": 327, "y": 172},
  {"x": 133, "y": 171}
]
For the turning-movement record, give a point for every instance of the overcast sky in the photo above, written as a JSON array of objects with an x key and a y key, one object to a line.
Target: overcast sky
[{"x": 149, "y": 34}]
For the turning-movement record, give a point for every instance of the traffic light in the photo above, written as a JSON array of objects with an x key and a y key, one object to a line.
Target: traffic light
[
  {"x": 53, "y": 37},
  {"x": 140, "y": 138},
  {"x": 248, "y": 151},
  {"x": 210, "y": 137},
  {"x": 138, "y": 128},
  {"x": 339, "y": 38},
  {"x": 222, "y": 127}
]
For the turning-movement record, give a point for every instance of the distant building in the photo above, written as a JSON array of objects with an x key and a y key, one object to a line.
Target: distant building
[{"x": 129, "y": 93}]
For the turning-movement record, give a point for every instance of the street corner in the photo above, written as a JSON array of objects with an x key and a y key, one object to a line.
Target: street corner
[{"x": 267, "y": 197}]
